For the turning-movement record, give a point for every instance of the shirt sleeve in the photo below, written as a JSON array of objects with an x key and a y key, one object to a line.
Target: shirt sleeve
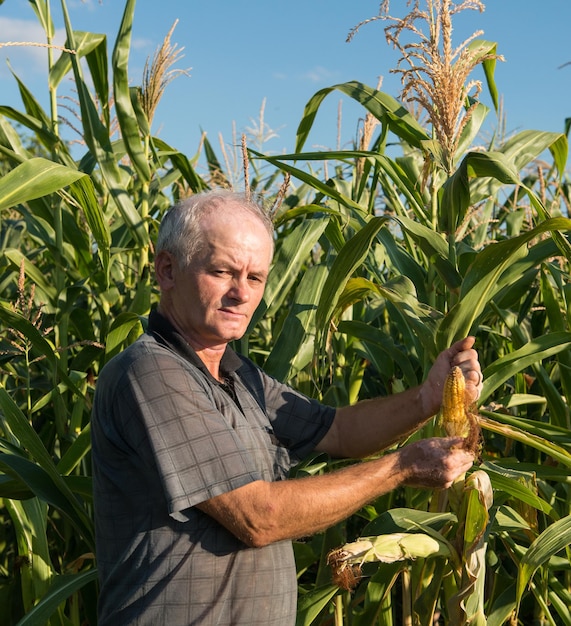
[{"x": 298, "y": 422}]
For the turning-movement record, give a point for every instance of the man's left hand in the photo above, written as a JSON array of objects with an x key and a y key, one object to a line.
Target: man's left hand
[{"x": 465, "y": 357}]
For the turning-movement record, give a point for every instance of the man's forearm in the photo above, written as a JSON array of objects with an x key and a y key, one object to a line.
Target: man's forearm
[
  {"x": 264, "y": 512},
  {"x": 372, "y": 425}
]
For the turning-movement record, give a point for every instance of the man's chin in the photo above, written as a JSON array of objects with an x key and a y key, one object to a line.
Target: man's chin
[{"x": 229, "y": 335}]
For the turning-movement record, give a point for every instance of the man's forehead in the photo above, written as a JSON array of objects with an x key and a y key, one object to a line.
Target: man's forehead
[
  {"x": 233, "y": 225},
  {"x": 228, "y": 211}
]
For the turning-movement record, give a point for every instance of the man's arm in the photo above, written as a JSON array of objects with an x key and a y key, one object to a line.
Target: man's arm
[
  {"x": 262, "y": 512},
  {"x": 372, "y": 425}
]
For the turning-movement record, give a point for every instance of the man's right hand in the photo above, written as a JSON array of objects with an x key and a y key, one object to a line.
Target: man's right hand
[{"x": 434, "y": 463}]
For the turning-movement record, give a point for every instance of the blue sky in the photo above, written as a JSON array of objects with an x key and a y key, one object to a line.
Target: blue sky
[{"x": 244, "y": 52}]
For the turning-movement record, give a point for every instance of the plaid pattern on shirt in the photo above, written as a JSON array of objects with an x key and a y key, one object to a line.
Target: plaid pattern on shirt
[{"x": 166, "y": 436}]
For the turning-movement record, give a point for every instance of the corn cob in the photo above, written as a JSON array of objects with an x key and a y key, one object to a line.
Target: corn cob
[{"x": 453, "y": 413}]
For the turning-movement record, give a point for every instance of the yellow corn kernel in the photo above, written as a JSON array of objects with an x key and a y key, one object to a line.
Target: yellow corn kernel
[{"x": 454, "y": 417}]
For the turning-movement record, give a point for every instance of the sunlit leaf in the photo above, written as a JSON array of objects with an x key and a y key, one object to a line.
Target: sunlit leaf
[
  {"x": 312, "y": 603},
  {"x": 533, "y": 352},
  {"x": 381, "y": 105},
  {"x": 35, "y": 178},
  {"x": 121, "y": 89}
]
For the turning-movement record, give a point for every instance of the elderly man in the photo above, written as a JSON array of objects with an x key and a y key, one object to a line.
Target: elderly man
[{"x": 192, "y": 443}]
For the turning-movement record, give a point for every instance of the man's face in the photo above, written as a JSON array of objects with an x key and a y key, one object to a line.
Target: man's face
[{"x": 211, "y": 302}]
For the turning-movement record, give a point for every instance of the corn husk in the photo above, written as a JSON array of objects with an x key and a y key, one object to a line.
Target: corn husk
[{"x": 346, "y": 561}]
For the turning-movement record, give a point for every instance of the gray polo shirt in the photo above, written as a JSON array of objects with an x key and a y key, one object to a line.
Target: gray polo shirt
[{"x": 166, "y": 436}]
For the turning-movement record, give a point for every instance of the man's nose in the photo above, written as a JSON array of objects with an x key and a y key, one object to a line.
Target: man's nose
[{"x": 239, "y": 289}]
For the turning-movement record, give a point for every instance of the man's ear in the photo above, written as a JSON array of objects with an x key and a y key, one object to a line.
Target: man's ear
[{"x": 165, "y": 270}]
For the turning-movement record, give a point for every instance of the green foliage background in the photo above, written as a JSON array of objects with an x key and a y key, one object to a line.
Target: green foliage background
[{"x": 374, "y": 274}]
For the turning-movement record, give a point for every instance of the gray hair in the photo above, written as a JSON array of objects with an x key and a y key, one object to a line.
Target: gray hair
[{"x": 180, "y": 233}]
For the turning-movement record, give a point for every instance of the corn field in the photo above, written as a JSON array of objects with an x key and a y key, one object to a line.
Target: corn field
[{"x": 386, "y": 253}]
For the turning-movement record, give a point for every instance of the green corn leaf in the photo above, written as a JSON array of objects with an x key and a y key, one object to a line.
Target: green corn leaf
[
  {"x": 556, "y": 403},
  {"x": 390, "y": 168},
  {"x": 555, "y": 434},
  {"x": 15, "y": 257},
  {"x": 41, "y": 475},
  {"x": 435, "y": 248},
  {"x": 347, "y": 261},
  {"x": 403, "y": 263},
  {"x": 560, "y": 599},
  {"x": 125, "y": 112},
  {"x": 500, "y": 612},
  {"x": 33, "y": 179},
  {"x": 22, "y": 324},
  {"x": 378, "y": 607},
  {"x": 292, "y": 350},
  {"x": 62, "y": 588},
  {"x": 384, "y": 107},
  {"x": 93, "y": 47},
  {"x": 489, "y": 65},
  {"x": 481, "y": 280},
  {"x": 76, "y": 452},
  {"x": 29, "y": 519},
  {"x": 214, "y": 167},
  {"x": 288, "y": 261},
  {"x": 521, "y": 150},
  {"x": 557, "y": 452},
  {"x": 96, "y": 135},
  {"x": 557, "y": 321},
  {"x": 39, "y": 343},
  {"x": 37, "y": 480},
  {"x": 96, "y": 58},
  {"x": 307, "y": 210},
  {"x": 44, "y": 133},
  {"x": 84, "y": 43},
  {"x": 84, "y": 193},
  {"x": 407, "y": 520},
  {"x": 530, "y": 144},
  {"x": 42, "y": 10},
  {"x": 13, "y": 488},
  {"x": 560, "y": 240},
  {"x": 312, "y": 603},
  {"x": 503, "y": 481},
  {"x": 32, "y": 106},
  {"x": 314, "y": 182},
  {"x": 419, "y": 317},
  {"x": 182, "y": 163},
  {"x": 356, "y": 290},
  {"x": 11, "y": 144},
  {"x": 81, "y": 486},
  {"x": 552, "y": 540},
  {"x": 472, "y": 128},
  {"x": 121, "y": 328},
  {"x": 380, "y": 350},
  {"x": 456, "y": 196},
  {"x": 534, "y": 351}
]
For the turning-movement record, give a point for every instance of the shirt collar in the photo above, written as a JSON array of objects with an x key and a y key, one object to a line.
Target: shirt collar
[{"x": 166, "y": 334}]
